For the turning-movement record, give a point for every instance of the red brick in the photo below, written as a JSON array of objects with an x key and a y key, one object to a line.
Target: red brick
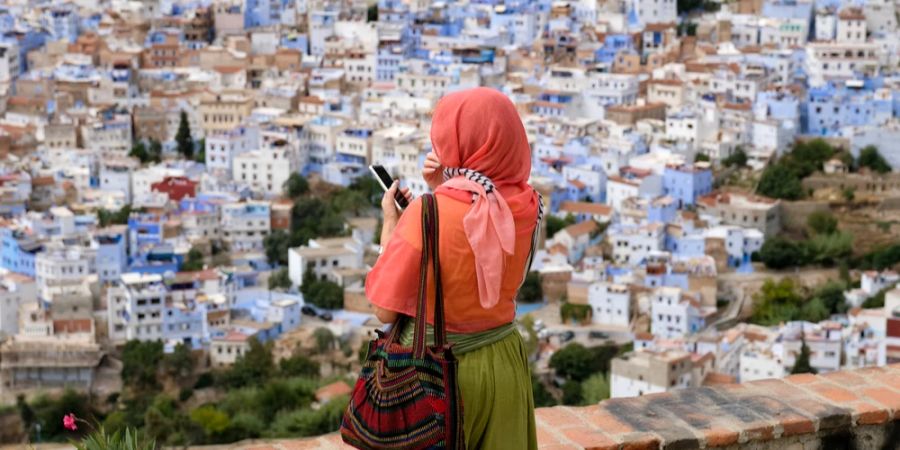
[
  {"x": 833, "y": 393},
  {"x": 887, "y": 378},
  {"x": 639, "y": 442},
  {"x": 850, "y": 380},
  {"x": 759, "y": 433},
  {"x": 546, "y": 437},
  {"x": 803, "y": 378},
  {"x": 867, "y": 414},
  {"x": 607, "y": 422},
  {"x": 590, "y": 439},
  {"x": 886, "y": 397},
  {"x": 720, "y": 437},
  {"x": 795, "y": 425},
  {"x": 558, "y": 417}
]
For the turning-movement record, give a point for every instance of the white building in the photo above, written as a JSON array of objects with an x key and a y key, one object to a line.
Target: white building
[
  {"x": 323, "y": 256},
  {"x": 760, "y": 365},
  {"x": 649, "y": 372},
  {"x": 655, "y": 11},
  {"x": 226, "y": 349},
  {"x": 115, "y": 176},
  {"x": 245, "y": 225},
  {"x": 223, "y": 146},
  {"x": 141, "y": 307},
  {"x": 135, "y": 308},
  {"x": 266, "y": 169},
  {"x": 15, "y": 291},
  {"x": 61, "y": 264},
  {"x": 632, "y": 245},
  {"x": 610, "y": 304}
]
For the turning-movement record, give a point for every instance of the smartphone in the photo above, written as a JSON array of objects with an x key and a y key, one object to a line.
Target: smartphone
[{"x": 385, "y": 180}]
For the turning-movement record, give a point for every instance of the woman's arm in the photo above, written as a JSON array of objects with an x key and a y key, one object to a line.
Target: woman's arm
[
  {"x": 391, "y": 217},
  {"x": 391, "y": 213}
]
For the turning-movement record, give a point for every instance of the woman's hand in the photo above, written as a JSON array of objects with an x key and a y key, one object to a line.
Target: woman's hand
[
  {"x": 432, "y": 171},
  {"x": 391, "y": 213}
]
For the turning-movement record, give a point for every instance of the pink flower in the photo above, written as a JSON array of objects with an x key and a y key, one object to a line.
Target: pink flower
[{"x": 69, "y": 422}]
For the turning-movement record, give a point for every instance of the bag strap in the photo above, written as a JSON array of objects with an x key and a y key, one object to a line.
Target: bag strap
[{"x": 430, "y": 245}]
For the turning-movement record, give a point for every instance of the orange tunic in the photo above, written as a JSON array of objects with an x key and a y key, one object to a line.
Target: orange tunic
[{"x": 393, "y": 282}]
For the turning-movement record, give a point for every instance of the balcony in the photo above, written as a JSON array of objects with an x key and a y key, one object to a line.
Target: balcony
[{"x": 841, "y": 410}]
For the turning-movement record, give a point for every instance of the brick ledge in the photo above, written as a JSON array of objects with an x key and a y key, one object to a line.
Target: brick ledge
[{"x": 849, "y": 409}]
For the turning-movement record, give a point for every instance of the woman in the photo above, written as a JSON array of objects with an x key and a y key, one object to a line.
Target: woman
[{"x": 489, "y": 219}]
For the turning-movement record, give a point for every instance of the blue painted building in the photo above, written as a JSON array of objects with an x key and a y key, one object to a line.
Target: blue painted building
[
  {"x": 144, "y": 230},
  {"x": 62, "y": 22},
  {"x": 830, "y": 108},
  {"x": 686, "y": 183},
  {"x": 612, "y": 45},
  {"x": 112, "y": 253},
  {"x": 662, "y": 210},
  {"x": 18, "y": 251}
]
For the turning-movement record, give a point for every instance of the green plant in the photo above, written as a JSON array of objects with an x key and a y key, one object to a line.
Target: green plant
[{"x": 129, "y": 439}]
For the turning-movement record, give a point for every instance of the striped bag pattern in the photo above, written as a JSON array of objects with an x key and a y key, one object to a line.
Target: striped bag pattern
[{"x": 407, "y": 397}]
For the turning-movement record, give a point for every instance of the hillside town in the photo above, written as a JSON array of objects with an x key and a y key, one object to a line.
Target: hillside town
[{"x": 188, "y": 217}]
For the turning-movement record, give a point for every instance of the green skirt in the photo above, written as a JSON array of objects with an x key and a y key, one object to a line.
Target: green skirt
[{"x": 495, "y": 383}]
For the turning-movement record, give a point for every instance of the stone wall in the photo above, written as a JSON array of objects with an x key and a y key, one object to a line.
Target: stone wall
[
  {"x": 794, "y": 214},
  {"x": 857, "y": 410}
]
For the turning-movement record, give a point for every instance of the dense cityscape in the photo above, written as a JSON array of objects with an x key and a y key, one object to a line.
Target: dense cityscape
[{"x": 188, "y": 217}]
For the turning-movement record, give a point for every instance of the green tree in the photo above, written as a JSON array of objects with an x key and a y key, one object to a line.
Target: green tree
[
  {"x": 183, "y": 136},
  {"x": 808, "y": 157},
  {"x": 829, "y": 249},
  {"x": 349, "y": 201},
  {"x": 542, "y": 397},
  {"x": 180, "y": 363},
  {"x": 778, "y": 181},
  {"x": 369, "y": 188},
  {"x": 120, "y": 217},
  {"x": 372, "y": 13},
  {"x": 200, "y": 157},
  {"x": 701, "y": 157},
  {"x": 871, "y": 158},
  {"x": 155, "y": 150},
  {"x": 595, "y": 388},
  {"x": 738, "y": 158},
  {"x": 140, "y": 361},
  {"x": 531, "y": 291},
  {"x": 814, "y": 310},
  {"x": 211, "y": 419},
  {"x": 802, "y": 364},
  {"x": 573, "y": 362},
  {"x": 194, "y": 261},
  {"x": 325, "y": 294},
  {"x": 252, "y": 368},
  {"x": 832, "y": 296},
  {"x": 555, "y": 224},
  {"x": 324, "y": 340},
  {"x": 822, "y": 222},
  {"x": 309, "y": 422},
  {"x": 572, "y": 393},
  {"x": 276, "y": 245},
  {"x": 296, "y": 185},
  {"x": 298, "y": 366},
  {"x": 25, "y": 412},
  {"x": 780, "y": 253},
  {"x": 280, "y": 279},
  {"x": 139, "y": 151},
  {"x": 776, "y": 302}
]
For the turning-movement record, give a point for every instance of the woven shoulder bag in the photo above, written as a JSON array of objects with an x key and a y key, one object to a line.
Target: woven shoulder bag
[{"x": 407, "y": 397}]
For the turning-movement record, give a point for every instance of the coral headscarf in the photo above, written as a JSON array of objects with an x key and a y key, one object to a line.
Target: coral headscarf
[{"x": 478, "y": 134}]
